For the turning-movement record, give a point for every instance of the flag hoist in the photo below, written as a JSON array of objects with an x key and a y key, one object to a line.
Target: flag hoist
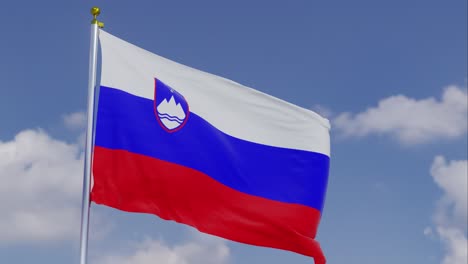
[{"x": 93, "y": 53}]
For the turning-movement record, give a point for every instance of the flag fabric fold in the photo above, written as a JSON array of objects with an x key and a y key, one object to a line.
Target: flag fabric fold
[{"x": 202, "y": 150}]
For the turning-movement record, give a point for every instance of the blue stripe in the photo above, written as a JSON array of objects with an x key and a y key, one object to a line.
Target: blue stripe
[{"x": 128, "y": 122}]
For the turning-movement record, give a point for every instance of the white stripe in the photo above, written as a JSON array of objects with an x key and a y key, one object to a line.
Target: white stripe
[{"x": 234, "y": 109}]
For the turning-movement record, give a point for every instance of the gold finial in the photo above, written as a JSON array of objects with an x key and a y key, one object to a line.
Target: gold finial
[{"x": 96, "y": 11}]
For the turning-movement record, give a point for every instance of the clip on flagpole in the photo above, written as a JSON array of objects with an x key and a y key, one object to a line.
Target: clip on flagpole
[{"x": 95, "y": 25}]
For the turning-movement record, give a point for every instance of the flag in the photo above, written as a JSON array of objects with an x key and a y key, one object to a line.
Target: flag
[{"x": 205, "y": 151}]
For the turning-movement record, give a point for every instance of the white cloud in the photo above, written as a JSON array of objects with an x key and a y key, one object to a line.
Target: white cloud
[
  {"x": 452, "y": 178},
  {"x": 75, "y": 120},
  {"x": 456, "y": 245},
  {"x": 202, "y": 249},
  {"x": 40, "y": 188},
  {"x": 450, "y": 216},
  {"x": 410, "y": 120}
]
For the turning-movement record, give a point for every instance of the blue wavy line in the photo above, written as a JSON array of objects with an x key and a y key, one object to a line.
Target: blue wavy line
[
  {"x": 180, "y": 122},
  {"x": 170, "y": 117}
]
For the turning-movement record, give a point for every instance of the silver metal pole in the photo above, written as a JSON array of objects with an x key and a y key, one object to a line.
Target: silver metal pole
[{"x": 93, "y": 50}]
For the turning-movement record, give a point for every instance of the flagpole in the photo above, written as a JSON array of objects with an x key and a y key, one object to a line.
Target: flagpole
[{"x": 95, "y": 25}]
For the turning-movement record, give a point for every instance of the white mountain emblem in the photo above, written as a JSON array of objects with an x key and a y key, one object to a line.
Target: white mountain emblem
[{"x": 171, "y": 113}]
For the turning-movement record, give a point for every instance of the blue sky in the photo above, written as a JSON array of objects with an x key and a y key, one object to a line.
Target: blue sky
[{"x": 390, "y": 75}]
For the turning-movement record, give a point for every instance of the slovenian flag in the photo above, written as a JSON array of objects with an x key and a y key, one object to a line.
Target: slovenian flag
[{"x": 208, "y": 152}]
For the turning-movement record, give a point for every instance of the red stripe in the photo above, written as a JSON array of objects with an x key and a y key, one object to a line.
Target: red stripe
[{"x": 136, "y": 183}]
